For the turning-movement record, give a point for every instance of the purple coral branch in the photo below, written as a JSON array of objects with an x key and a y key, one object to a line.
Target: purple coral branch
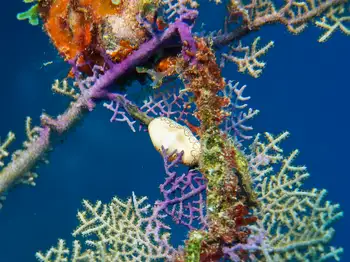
[
  {"x": 99, "y": 90},
  {"x": 145, "y": 51},
  {"x": 185, "y": 209},
  {"x": 183, "y": 195},
  {"x": 253, "y": 245},
  {"x": 171, "y": 104},
  {"x": 116, "y": 107}
]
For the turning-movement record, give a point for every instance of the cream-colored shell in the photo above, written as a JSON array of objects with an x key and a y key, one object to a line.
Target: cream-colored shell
[{"x": 173, "y": 136}]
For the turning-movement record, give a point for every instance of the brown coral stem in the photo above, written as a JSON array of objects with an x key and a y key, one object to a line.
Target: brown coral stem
[
  {"x": 25, "y": 160},
  {"x": 278, "y": 17},
  {"x": 226, "y": 206}
]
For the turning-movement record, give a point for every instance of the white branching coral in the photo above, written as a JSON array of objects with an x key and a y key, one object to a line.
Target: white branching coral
[
  {"x": 334, "y": 19},
  {"x": 298, "y": 13},
  {"x": 238, "y": 112},
  {"x": 174, "y": 8},
  {"x": 4, "y": 147},
  {"x": 294, "y": 14},
  {"x": 249, "y": 61},
  {"x": 296, "y": 224},
  {"x": 120, "y": 231},
  {"x": 60, "y": 253},
  {"x": 63, "y": 88},
  {"x": 32, "y": 133}
]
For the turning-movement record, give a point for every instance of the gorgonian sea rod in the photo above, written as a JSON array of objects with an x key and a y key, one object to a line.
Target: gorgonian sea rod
[{"x": 232, "y": 201}]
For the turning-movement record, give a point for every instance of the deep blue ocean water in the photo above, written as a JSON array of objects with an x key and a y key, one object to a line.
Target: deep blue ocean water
[{"x": 304, "y": 89}]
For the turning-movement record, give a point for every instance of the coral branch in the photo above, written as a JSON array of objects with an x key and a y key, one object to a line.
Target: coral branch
[
  {"x": 64, "y": 89},
  {"x": 122, "y": 107},
  {"x": 250, "y": 61},
  {"x": 297, "y": 223},
  {"x": 295, "y": 15},
  {"x": 175, "y": 8},
  {"x": 235, "y": 122},
  {"x": 229, "y": 191},
  {"x": 122, "y": 231},
  {"x": 334, "y": 19},
  {"x": 169, "y": 103},
  {"x": 184, "y": 198},
  {"x": 4, "y": 145},
  {"x": 18, "y": 170},
  {"x": 92, "y": 89}
]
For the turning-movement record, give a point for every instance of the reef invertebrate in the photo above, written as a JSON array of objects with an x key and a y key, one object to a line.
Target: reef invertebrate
[{"x": 166, "y": 133}]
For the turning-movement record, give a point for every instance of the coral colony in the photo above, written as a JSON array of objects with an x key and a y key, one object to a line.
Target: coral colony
[{"x": 241, "y": 199}]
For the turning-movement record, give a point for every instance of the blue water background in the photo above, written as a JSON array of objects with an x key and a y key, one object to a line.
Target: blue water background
[{"x": 304, "y": 89}]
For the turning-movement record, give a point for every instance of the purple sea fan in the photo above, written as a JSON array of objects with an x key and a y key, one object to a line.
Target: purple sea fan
[
  {"x": 184, "y": 195},
  {"x": 171, "y": 103}
]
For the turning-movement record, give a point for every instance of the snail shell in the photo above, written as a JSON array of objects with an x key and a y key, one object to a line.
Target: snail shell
[{"x": 173, "y": 136}]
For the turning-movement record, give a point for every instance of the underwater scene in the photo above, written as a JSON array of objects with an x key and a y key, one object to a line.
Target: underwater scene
[{"x": 174, "y": 130}]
